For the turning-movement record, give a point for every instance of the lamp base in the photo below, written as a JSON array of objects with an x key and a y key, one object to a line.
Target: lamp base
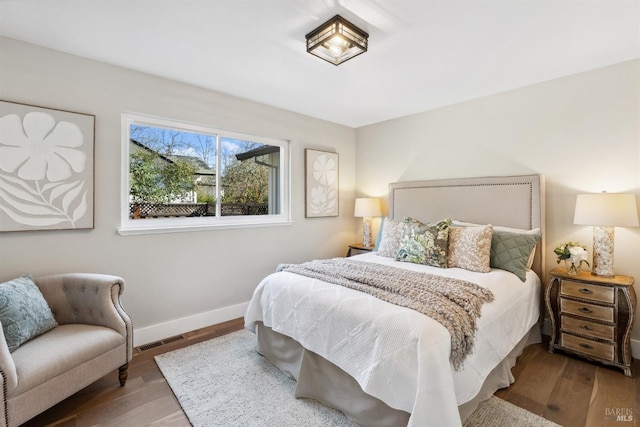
[
  {"x": 366, "y": 232},
  {"x": 603, "y": 251}
]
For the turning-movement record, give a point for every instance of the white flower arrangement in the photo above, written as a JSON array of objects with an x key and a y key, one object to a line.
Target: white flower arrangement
[{"x": 572, "y": 252}]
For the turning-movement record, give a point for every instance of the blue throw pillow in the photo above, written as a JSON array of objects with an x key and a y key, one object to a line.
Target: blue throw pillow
[
  {"x": 379, "y": 236},
  {"x": 24, "y": 313}
]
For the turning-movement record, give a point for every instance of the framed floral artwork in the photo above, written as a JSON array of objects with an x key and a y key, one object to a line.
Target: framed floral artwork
[
  {"x": 321, "y": 184},
  {"x": 46, "y": 168}
]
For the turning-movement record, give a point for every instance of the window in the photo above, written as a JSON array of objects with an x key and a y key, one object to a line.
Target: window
[{"x": 180, "y": 176}]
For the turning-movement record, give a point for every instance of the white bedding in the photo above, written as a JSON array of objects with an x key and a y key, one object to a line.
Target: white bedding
[{"x": 397, "y": 354}]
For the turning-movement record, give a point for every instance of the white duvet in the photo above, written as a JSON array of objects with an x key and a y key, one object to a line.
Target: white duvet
[{"x": 396, "y": 354}]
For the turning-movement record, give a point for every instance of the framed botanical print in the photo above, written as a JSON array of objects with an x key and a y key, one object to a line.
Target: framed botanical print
[
  {"x": 46, "y": 168},
  {"x": 321, "y": 184}
]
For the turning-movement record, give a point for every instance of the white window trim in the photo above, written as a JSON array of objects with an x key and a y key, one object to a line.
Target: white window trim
[{"x": 174, "y": 225}]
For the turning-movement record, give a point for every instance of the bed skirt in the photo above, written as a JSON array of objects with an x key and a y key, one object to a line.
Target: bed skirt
[{"x": 319, "y": 379}]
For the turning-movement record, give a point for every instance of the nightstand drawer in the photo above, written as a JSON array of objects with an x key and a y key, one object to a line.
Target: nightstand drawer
[
  {"x": 587, "y": 291},
  {"x": 585, "y": 327},
  {"x": 588, "y": 347},
  {"x": 584, "y": 309}
]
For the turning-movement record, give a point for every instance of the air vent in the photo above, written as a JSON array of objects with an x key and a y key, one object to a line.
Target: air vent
[
  {"x": 150, "y": 346},
  {"x": 169, "y": 340}
]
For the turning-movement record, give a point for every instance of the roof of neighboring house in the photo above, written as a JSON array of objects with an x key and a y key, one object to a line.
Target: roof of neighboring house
[
  {"x": 144, "y": 147},
  {"x": 257, "y": 152},
  {"x": 202, "y": 169}
]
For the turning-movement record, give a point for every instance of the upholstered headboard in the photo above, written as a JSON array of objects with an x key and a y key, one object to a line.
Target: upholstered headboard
[{"x": 510, "y": 201}]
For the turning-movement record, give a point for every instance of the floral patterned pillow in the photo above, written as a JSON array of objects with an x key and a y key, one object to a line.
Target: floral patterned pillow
[
  {"x": 470, "y": 248},
  {"x": 424, "y": 243},
  {"x": 390, "y": 238}
]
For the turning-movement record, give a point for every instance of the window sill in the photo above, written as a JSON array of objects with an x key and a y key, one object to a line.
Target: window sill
[{"x": 154, "y": 228}]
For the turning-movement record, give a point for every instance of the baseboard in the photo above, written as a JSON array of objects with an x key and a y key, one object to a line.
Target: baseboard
[{"x": 174, "y": 327}]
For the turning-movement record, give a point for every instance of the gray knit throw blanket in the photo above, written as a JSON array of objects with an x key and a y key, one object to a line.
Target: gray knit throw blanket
[{"x": 455, "y": 303}]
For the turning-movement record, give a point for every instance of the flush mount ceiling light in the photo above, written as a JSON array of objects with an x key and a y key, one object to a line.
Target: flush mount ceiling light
[{"x": 337, "y": 41}]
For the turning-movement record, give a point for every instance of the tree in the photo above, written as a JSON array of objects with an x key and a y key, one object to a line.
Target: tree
[
  {"x": 161, "y": 140},
  {"x": 245, "y": 182},
  {"x": 153, "y": 181},
  {"x": 205, "y": 148},
  {"x": 177, "y": 179},
  {"x": 144, "y": 178}
]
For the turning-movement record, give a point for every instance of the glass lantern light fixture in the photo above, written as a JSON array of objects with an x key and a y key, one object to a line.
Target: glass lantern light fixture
[{"x": 337, "y": 41}]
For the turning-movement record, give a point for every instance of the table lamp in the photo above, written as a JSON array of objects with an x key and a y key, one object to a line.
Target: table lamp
[
  {"x": 367, "y": 208},
  {"x": 604, "y": 211}
]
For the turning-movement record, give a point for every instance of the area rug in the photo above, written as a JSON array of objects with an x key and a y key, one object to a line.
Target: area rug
[{"x": 225, "y": 382}]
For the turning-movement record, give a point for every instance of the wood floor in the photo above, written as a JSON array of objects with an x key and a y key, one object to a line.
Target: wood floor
[{"x": 564, "y": 389}]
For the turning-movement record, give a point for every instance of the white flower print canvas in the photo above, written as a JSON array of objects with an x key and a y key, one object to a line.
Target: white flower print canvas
[
  {"x": 46, "y": 168},
  {"x": 321, "y": 191}
]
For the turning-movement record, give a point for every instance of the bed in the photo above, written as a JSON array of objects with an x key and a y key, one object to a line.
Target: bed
[{"x": 385, "y": 365}]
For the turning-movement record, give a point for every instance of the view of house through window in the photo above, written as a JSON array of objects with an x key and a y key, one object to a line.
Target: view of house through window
[{"x": 181, "y": 173}]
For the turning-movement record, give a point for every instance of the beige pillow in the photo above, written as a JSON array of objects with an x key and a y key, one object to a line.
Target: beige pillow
[{"x": 470, "y": 248}]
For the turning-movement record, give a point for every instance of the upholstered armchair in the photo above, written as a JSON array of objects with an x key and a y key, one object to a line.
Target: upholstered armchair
[{"x": 94, "y": 337}]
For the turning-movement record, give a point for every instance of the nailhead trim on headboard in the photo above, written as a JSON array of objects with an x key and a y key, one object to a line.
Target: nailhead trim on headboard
[{"x": 523, "y": 196}]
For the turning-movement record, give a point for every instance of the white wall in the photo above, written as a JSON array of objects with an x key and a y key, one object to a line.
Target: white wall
[
  {"x": 181, "y": 281},
  {"x": 581, "y": 132}
]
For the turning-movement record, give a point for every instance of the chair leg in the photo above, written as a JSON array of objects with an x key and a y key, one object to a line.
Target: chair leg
[{"x": 123, "y": 373}]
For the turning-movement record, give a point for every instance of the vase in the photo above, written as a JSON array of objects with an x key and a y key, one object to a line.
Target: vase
[{"x": 572, "y": 268}]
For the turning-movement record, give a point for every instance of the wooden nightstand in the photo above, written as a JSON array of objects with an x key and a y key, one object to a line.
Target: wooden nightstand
[
  {"x": 592, "y": 316},
  {"x": 359, "y": 248}
]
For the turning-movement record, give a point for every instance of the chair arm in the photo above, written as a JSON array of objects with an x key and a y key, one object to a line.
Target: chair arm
[
  {"x": 9, "y": 374},
  {"x": 88, "y": 298}
]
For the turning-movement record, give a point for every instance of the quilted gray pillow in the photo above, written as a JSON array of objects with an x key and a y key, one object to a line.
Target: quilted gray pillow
[
  {"x": 511, "y": 251},
  {"x": 24, "y": 313}
]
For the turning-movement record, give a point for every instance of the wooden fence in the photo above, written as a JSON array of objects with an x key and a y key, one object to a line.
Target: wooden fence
[{"x": 172, "y": 210}]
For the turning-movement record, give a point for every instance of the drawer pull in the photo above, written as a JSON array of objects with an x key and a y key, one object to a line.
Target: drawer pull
[
  {"x": 585, "y": 291},
  {"x": 583, "y": 345},
  {"x": 585, "y": 310},
  {"x": 586, "y": 327}
]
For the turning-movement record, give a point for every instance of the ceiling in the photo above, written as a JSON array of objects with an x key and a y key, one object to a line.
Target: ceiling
[{"x": 423, "y": 54}]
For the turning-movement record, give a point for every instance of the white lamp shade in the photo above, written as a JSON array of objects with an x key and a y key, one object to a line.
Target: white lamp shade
[
  {"x": 366, "y": 207},
  {"x": 606, "y": 209}
]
